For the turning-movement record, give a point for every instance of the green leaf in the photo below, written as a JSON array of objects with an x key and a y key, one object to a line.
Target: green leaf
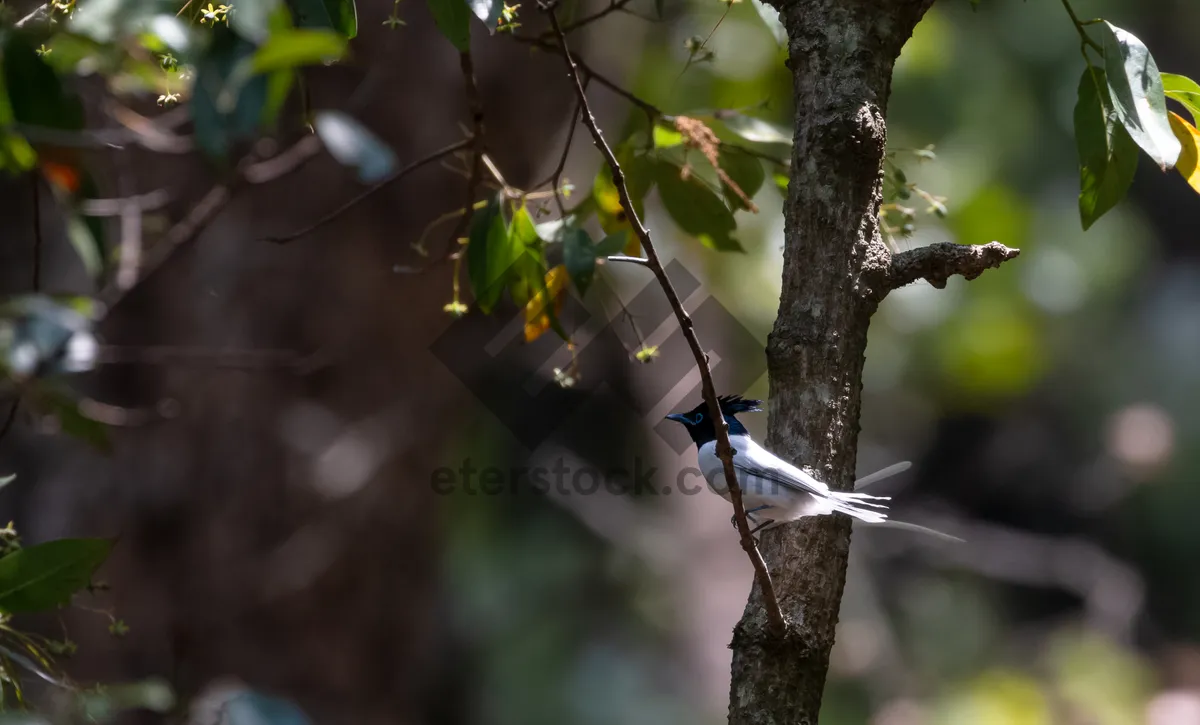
[
  {"x": 666, "y": 137},
  {"x": 338, "y": 15},
  {"x": 352, "y": 144},
  {"x": 754, "y": 129},
  {"x": 43, "y": 577},
  {"x": 279, "y": 86},
  {"x": 579, "y": 257},
  {"x": 526, "y": 274},
  {"x": 453, "y": 18},
  {"x": 770, "y": 16},
  {"x": 745, "y": 170},
  {"x": 16, "y": 155},
  {"x": 226, "y": 108},
  {"x": 289, "y": 49},
  {"x": 1185, "y": 91},
  {"x": 344, "y": 14},
  {"x": 1176, "y": 82},
  {"x": 781, "y": 182},
  {"x": 1107, "y": 155},
  {"x": 488, "y": 11},
  {"x": 35, "y": 93},
  {"x": 490, "y": 254},
  {"x": 1137, "y": 94},
  {"x": 522, "y": 229},
  {"x": 696, "y": 209}
]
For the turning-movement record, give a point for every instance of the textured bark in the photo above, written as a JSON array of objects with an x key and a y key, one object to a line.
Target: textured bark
[{"x": 836, "y": 270}]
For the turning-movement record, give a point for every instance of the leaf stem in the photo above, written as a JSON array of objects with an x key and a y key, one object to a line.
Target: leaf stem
[{"x": 1079, "y": 27}]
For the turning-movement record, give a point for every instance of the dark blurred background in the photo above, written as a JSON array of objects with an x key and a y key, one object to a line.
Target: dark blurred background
[{"x": 282, "y": 530}]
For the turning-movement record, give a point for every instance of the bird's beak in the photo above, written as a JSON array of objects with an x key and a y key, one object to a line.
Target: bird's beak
[{"x": 677, "y": 417}]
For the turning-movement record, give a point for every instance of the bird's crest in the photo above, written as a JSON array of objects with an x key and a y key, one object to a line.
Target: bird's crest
[{"x": 732, "y": 404}]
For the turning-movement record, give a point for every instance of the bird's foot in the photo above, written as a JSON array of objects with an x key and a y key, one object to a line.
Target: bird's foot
[{"x": 750, "y": 518}]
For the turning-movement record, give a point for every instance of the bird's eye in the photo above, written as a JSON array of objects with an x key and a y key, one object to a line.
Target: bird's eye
[{"x": 699, "y": 417}]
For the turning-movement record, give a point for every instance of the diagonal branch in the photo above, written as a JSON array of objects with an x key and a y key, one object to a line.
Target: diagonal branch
[
  {"x": 724, "y": 450},
  {"x": 936, "y": 263},
  {"x": 654, "y": 112},
  {"x": 391, "y": 178},
  {"x": 613, "y": 6}
]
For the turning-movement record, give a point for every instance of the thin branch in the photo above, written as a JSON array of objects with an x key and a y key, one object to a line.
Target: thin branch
[
  {"x": 478, "y": 147},
  {"x": 149, "y": 201},
  {"x": 1084, "y": 37},
  {"x": 936, "y": 263},
  {"x": 12, "y": 417},
  {"x": 724, "y": 450},
  {"x": 631, "y": 260},
  {"x": 363, "y": 196},
  {"x": 696, "y": 53},
  {"x": 130, "y": 260},
  {"x": 653, "y": 112},
  {"x": 137, "y": 130},
  {"x": 555, "y": 178},
  {"x": 613, "y": 6},
  {"x": 649, "y": 108},
  {"x": 188, "y": 228},
  {"x": 285, "y": 162}
]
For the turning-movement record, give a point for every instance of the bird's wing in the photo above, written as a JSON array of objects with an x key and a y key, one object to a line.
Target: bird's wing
[{"x": 756, "y": 463}]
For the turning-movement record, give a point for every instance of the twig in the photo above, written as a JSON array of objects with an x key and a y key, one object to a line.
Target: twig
[
  {"x": 149, "y": 201},
  {"x": 631, "y": 260},
  {"x": 363, "y": 196},
  {"x": 1084, "y": 37},
  {"x": 555, "y": 178},
  {"x": 724, "y": 450},
  {"x": 12, "y": 417},
  {"x": 284, "y": 162},
  {"x": 654, "y": 112},
  {"x": 478, "y": 147},
  {"x": 131, "y": 247},
  {"x": 936, "y": 263},
  {"x": 693, "y": 54},
  {"x": 613, "y": 6},
  {"x": 138, "y": 130},
  {"x": 188, "y": 228}
]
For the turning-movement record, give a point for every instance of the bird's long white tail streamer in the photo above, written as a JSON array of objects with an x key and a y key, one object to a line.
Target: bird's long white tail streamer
[{"x": 882, "y": 473}]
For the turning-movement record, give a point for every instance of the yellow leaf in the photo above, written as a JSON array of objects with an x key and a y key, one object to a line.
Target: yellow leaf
[
  {"x": 608, "y": 203},
  {"x": 1189, "y": 138},
  {"x": 537, "y": 314}
]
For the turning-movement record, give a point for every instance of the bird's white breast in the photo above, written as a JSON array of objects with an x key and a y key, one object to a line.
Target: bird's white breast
[{"x": 712, "y": 468}]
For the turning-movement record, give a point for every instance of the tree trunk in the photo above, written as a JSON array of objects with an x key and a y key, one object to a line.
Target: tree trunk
[{"x": 836, "y": 270}]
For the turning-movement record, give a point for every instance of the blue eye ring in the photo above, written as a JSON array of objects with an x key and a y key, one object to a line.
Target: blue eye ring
[{"x": 696, "y": 420}]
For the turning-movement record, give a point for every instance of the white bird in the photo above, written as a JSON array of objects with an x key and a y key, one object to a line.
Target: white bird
[{"x": 774, "y": 491}]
